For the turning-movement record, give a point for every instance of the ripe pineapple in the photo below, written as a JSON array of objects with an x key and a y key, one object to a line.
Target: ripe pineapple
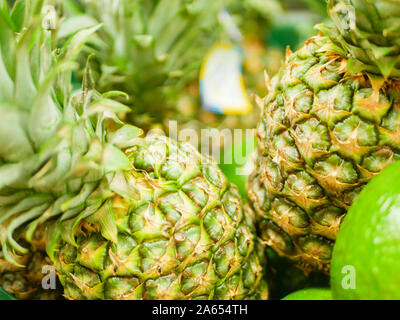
[
  {"x": 130, "y": 217},
  {"x": 173, "y": 229},
  {"x": 330, "y": 122}
]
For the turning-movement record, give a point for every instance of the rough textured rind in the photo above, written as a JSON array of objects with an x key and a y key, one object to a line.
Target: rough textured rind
[
  {"x": 130, "y": 217},
  {"x": 325, "y": 133},
  {"x": 182, "y": 236}
]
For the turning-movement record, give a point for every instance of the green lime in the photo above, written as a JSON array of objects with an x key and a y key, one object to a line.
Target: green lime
[
  {"x": 310, "y": 294},
  {"x": 366, "y": 256}
]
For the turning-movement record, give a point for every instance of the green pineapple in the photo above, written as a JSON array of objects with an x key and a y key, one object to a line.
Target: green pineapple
[
  {"x": 149, "y": 49},
  {"x": 130, "y": 217},
  {"x": 156, "y": 57},
  {"x": 330, "y": 123}
]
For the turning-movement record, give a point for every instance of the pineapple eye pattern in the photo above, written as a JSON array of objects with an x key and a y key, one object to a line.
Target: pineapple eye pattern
[{"x": 330, "y": 134}]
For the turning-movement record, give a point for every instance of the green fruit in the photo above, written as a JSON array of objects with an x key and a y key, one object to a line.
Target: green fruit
[
  {"x": 366, "y": 257},
  {"x": 153, "y": 50},
  {"x": 131, "y": 217},
  {"x": 310, "y": 294},
  {"x": 328, "y": 127},
  {"x": 180, "y": 233}
]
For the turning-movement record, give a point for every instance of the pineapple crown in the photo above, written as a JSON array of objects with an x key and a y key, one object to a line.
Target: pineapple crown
[
  {"x": 149, "y": 48},
  {"x": 152, "y": 49},
  {"x": 369, "y": 30},
  {"x": 56, "y": 146}
]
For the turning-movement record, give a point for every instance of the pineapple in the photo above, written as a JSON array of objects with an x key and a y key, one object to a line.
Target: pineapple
[
  {"x": 149, "y": 49},
  {"x": 172, "y": 229},
  {"x": 330, "y": 123},
  {"x": 129, "y": 217},
  {"x": 156, "y": 57}
]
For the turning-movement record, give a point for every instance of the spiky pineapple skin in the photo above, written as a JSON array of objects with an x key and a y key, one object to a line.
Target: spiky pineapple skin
[
  {"x": 324, "y": 134},
  {"x": 126, "y": 214},
  {"x": 185, "y": 235}
]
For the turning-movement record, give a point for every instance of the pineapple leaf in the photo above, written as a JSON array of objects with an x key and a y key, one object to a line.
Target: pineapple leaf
[
  {"x": 74, "y": 45},
  {"x": 17, "y": 15},
  {"x": 6, "y": 83},
  {"x": 25, "y": 88},
  {"x": 105, "y": 218},
  {"x": 15, "y": 144},
  {"x": 164, "y": 13},
  {"x": 45, "y": 115},
  {"x": 75, "y": 24},
  {"x": 114, "y": 159},
  {"x": 123, "y": 137},
  {"x": 5, "y": 14}
]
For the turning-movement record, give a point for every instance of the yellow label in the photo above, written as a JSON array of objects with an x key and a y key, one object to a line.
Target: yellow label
[{"x": 222, "y": 86}]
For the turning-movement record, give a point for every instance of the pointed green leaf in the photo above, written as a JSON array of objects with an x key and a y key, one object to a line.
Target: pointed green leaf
[
  {"x": 75, "y": 44},
  {"x": 20, "y": 221},
  {"x": 6, "y": 83},
  {"x": 105, "y": 218},
  {"x": 75, "y": 24},
  {"x": 18, "y": 14},
  {"x": 25, "y": 89},
  {"x": 79, "y": 199},
  {"x": 386, "y": 65},
  {"x": 14, "y": 142},
  {"x": 143, "y": 40},
  {"x": 123, "y": 137},
  {"x": 165, "y": 12},
  {"x": 45, "y": 115},
  {"x": 17, "y": 174},
  {"x": 106, "y": 105},
  {"x": 120, "y": 186},
  {"x": 114, "y": 159}
]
